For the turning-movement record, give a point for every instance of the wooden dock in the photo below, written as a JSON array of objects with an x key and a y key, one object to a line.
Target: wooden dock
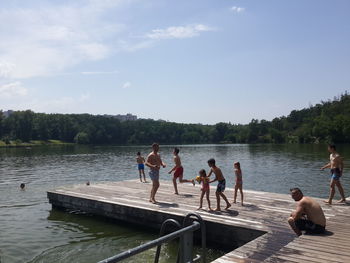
[{"x": 259, "y": 228}]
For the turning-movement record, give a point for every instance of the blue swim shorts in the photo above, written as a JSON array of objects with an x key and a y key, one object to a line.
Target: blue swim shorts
[
  {"x": 154, "y": 175},
  {"x": 335, "y": 174},
  {"x": 221, "y": 186},
  {"x": 141, "y": 166}
]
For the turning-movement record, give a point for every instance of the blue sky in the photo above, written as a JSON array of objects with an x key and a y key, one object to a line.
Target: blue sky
[{"x": 191, "y": 61}]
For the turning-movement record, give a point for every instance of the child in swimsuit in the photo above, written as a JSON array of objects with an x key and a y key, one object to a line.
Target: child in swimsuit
[
  {"x": 239, "y": 182},
  {"x": 205, "y": 189},
  {"x": 141, "y": 166}
]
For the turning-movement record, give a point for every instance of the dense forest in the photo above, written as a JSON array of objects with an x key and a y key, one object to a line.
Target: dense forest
[{"x": 328, "y": 121}]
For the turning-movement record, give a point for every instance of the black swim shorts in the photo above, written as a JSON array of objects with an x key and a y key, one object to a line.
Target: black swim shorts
[{"x": 309, "y": 226}]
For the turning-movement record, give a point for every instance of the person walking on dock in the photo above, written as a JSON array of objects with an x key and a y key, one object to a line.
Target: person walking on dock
[
  {"x": 336, "y": 164},
  {"x": 178, "y": 171},
  {"x": 140, "y": 166},
  {"x": 154, "y": 162},
  {"x": 308, "y": 215},
  {"x": 221, "y": 184},
  {"x": 239, "y": 182}
]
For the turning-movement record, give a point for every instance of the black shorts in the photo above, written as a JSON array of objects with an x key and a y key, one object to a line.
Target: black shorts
[{"x": 309, "y": 226}]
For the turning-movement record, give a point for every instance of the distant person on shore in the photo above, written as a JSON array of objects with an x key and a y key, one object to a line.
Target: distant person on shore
[
  {"x": 221, "y": 184},
  {"x": 141, "y": 166},
  {"x": 203, "y": 179},
  {"x": 308, "y": 215},
  {"x": 178, "y": 171},
  {"x": 239, "y": 182},
  {"x": 154, "y": 162},
  {"x": 336, "y": 165}
]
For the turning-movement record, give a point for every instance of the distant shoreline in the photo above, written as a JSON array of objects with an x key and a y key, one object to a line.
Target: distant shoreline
[{"x": 34, "y": 143}]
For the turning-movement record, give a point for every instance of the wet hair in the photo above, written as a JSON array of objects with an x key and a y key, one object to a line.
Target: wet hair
[
  {"x": 238, "y": 165},
  {"x": 332, "y": 146},
  {"x": 202, "y": 172},
  {"x": 211, "y": 161},
  {"x": 154, "y": 144},
  {"x": 138, "y": 153},
  {"x": 176, "y": 150},
  {"x": 295, "y": 189},
  {"x": 22, "y": 185}
]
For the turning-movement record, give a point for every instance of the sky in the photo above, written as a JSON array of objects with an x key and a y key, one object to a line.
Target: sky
[{"x": 186, "y": 61}]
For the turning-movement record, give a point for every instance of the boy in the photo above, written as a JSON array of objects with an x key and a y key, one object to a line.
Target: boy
[
  {"x": 141, "y": 167},
  {"x": 179, "y": 171},
  {"x": 154, "y": 162},
  {"x": 221, "y": 184}
]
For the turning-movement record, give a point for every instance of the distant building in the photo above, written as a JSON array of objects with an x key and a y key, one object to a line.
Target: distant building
[{"x": 7, "y": 113}]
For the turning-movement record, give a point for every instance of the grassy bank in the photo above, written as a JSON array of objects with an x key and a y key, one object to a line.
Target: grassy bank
[{"x": 18, "y": 143}]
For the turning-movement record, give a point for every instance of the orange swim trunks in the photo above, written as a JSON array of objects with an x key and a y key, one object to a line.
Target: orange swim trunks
[{"x": 178, "y": 172}]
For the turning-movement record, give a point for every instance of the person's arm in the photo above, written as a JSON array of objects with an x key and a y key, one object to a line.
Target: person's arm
[
  {"x": 149, "y": 164},
  {"x": 161, "y": 162},
  {"x": 328, "y": 165},
  {"x": 174, "y": 168},
  {"x": 298, "y": 213},
  {"x": 209, "y": 174}
]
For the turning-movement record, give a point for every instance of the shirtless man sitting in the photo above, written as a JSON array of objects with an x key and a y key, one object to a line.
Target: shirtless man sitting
[{"x": 308, "y": 215}]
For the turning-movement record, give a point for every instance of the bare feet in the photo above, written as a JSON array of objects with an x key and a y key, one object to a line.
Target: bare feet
[
  {"x": 209, "y": 209},
  {"x": 217, "y": 209},
  {"x": 176, "y": 193},
  {"x": 242, "y": 204},
  {"x": 154, "y": 201},
  {"x": 234, "y": 201},
  {"x": 327, "y": 202},
  {"x": 342, "y": 201},
  {"x": 228, "y": 206},
  {"x": 193, "y": 182},
  {"x": 199, "y": 208}
]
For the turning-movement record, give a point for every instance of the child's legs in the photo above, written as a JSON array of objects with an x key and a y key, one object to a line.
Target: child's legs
[
  {"x": 181, "y": 180},
  {"x": 224, "y": 197},
  {"x": 207, "y": 196},
  {"x": 217, "y": 194},
  {"x": 175, "y": 184},
  {"x": 201, "y": 199},
  {"x": 143, "y": 173},
  {"x": 235, "y": 194}
]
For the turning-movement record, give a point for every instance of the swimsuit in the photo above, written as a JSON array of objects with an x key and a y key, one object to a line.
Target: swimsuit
[
  {"x": 154, "y": 175},
  {"x": 335, "y": 173},
  {"x": 179, "y": 171},
  {"x": 221, "y": 186},
  {"x": 309, "y": 226},
  {"x": 141, "y": 166},
  {"x": 205, "y": 185}
]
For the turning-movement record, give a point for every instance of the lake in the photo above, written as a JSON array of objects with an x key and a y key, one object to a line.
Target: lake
[{"x": 32, "y": 232}]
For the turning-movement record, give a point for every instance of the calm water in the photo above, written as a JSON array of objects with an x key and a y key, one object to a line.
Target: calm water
[{"x": 30, "y": 231}]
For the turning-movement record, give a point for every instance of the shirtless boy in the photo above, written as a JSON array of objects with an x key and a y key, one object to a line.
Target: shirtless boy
[
  {"x": 336, "y": 164},
  {"x": 307, "y": 216},
  {"x": 140, "y": 166},
  {"x": 221, "y": 184},
  {"x": 179, "y": 171},
  {"x": 154, "y": 162}
]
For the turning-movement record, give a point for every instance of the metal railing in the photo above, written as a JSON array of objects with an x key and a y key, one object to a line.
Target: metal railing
[{"x": 191, "y": 223}]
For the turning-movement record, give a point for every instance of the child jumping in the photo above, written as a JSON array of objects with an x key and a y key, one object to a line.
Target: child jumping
[
  {"x": 141, "y": 166},
  {"x": 221, "y": 184},
  {"x": 205, "y": 190},
  {"x": 239, "y": 182},
  {"x": 178, "y": 171}
]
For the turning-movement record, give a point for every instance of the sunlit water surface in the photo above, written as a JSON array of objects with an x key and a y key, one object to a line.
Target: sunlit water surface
[{"x": 30, "y": 231}]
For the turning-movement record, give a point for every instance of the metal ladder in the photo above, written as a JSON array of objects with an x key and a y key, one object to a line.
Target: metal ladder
[{"x": 190, "y": 224}]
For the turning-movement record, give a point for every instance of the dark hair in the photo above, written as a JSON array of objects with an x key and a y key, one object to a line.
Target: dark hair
[
  {"x": 138, "y": 153},
  {"x": 176, "y": 150},
  {"x": 202, "y": 171},
  {"x": 22, "y": 185},
  {"x": 154, "y": 144},
  {"x": 332, "y": 146},
  {"x": 238, "y": 165},
  {"x": 211, "y": 161},
  {"x": 295, "y": 189}
]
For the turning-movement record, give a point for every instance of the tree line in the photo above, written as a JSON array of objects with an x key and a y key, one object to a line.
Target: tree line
[{"x": 327, "y": 121}]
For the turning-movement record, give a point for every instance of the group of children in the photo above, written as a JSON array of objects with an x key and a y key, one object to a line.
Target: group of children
[{"x": 203, "y": 178}]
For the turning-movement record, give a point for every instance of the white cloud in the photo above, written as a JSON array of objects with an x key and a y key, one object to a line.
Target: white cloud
[
  {"x": 99, "y": 72},
  {"x": 13, "y": 89},
  {"x": 188, "y": 31},
  {"x": 46, "y": 40},
  {"x": 237, "y": 9},
  {"x": 126, "y": 85}
]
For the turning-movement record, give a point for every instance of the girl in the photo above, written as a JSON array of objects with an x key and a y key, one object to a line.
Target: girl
[
  {"x": 239, "y": 181},
  {"x": 205, "y": 188}
]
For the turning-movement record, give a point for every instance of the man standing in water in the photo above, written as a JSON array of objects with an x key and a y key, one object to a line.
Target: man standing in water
[
  {"x": 336, "y": 164},
  {"x": 179, "y": 171},
  {"x": 154, "y": 162},
  {"x": 307, "y": 216}
]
